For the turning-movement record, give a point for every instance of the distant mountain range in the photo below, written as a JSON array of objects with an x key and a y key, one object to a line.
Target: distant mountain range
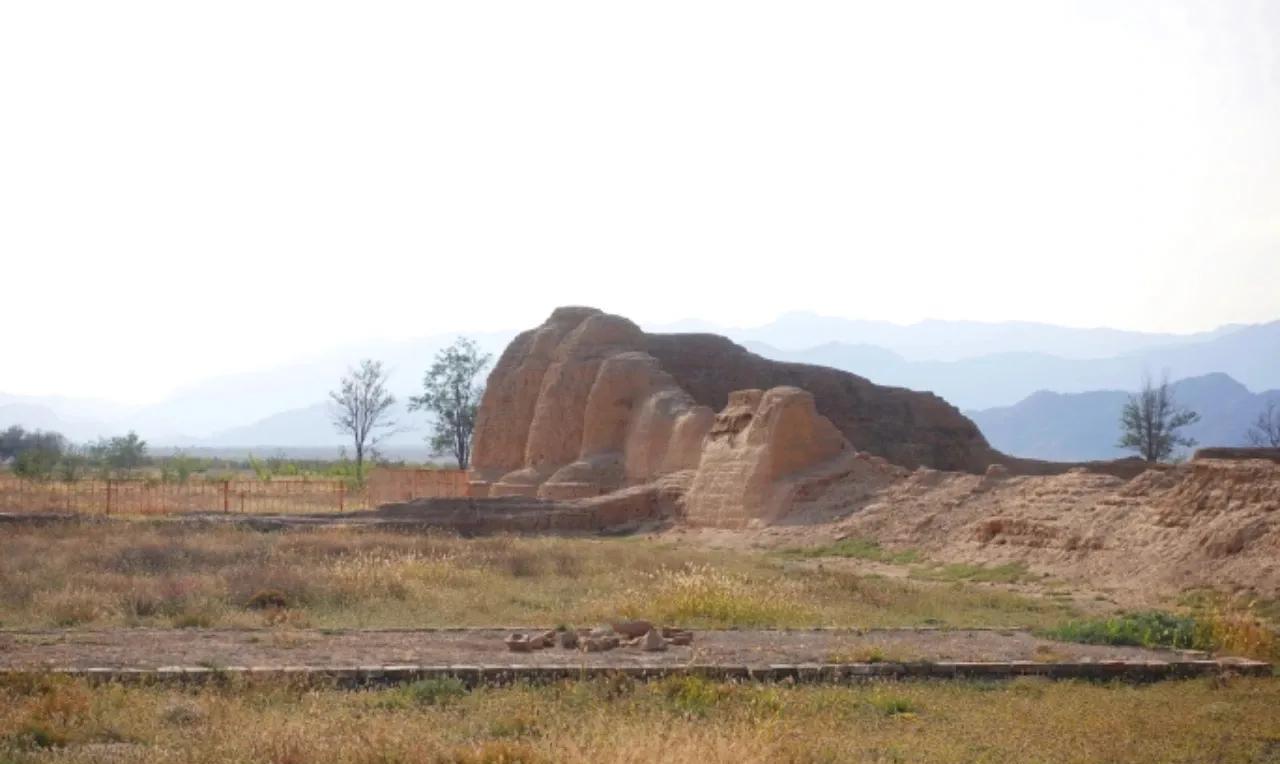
[
  {"x": 1250, "y": 354},
  {"x": 974, "y": 365},
  {"x": 946, "y": 340},
  {"x": 1085, "y": 426}
]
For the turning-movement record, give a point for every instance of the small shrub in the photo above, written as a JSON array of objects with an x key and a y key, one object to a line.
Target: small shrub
[
  {"x": 566, "y": 562},
  {"x": 182, "y": 714},
  {"x": 520, "y": 725},
  {"x": 267, "y": 599},
  {"x": 1007, "y": 574},
  {"x": 1237, "y": 632},
  {"x": 763, "y": 700},
  {"x": 425, "y": 692},
  {"x": 703, "y": 595},
  {"x": 691, "y": 696},
  {"x": 893, "y": 705},
  {"x": 141, "y": 603},
  {"x": 1143, "y": 629},
  {"x": 73, "y": 608},
  {"x": 245, "y": 581},
  {"x": 38, "y": 736},
  {"x": 150, "y": 557},
  {"x": 193, "y": 617},
  {"x": 520, "y": 563}
]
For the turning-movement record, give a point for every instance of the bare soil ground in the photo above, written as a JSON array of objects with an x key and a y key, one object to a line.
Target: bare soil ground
[{"x": 154, "y": 648}]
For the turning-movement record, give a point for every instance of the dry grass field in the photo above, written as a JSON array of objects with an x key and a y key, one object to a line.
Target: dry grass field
[
  {"x": 188, "y": 575},
  {"x": 684, "y": 720},
  {"x": 180, "y": 575}
]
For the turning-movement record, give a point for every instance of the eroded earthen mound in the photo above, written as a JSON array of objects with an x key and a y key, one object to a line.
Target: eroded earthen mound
[
  {"x": 763, "y": 448},
  {"x": 587, "y": 403},
  {"x": 1210, "y": 522}
]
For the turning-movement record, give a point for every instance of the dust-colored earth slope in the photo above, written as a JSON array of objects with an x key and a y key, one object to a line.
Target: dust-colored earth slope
[{"x": 1210, "y": 522}]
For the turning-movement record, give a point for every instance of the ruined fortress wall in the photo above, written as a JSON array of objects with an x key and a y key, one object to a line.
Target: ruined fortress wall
[
  {"x": 908, "y": 428},
  {"x": 587, "y": 403}
]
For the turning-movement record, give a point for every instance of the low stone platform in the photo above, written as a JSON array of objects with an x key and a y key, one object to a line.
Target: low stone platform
[{"x": 478, "y": 656}]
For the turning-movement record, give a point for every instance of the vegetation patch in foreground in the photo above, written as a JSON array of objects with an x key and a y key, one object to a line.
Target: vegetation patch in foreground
[
  {"x": 858, "y": 549},
  {"x": 166, "y": 574},
  {"x": 1236, "y": 632},
  {"x": 1143, "y": 629},
  {"x": 1008, "y": 573},
  {"x": 678, "y": 720}
]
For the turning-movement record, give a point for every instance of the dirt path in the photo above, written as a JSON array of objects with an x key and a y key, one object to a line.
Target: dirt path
[{"x": 155, "y": 648}]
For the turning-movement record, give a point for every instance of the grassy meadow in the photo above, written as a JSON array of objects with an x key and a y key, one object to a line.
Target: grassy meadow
[
  {"x": 185, "y": 575},
  {"x": 44, "y": 719}
]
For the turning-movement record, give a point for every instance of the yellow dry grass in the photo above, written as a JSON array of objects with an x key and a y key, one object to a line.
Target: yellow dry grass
[
  {"x": 678, "y": 720},
  {"x": 186, "y": 575}
]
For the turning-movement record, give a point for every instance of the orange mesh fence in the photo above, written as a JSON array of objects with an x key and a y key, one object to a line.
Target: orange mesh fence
[
  {"x": 250, "y": 496},
  {"x": 387, "y": 486}
]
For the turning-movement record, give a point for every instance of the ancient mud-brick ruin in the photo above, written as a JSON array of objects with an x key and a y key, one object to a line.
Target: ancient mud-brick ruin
[{"x": 588, "y": 404}]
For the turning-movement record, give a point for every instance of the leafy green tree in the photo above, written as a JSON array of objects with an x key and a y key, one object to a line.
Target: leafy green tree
[
  {"x": 183, "y": 466},
  {"x": 126, "y": 452},
  {"x": 11, "y": 442},
  {"x": 1150, "y": 421},
  {"x": 34, "y": 453},
  {"x": 451, "y": 392},
  {"x": 362, "y": 409},
  {"x": 72, "y": 465},
  {"x": 119, "y": 455},
  {"x": 39, "y": 455}
]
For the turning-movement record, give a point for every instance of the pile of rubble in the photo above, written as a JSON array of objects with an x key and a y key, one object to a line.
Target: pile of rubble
[{"x": 641, "y": 634}]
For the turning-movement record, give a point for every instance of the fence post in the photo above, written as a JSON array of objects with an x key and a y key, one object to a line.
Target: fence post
[
  {"x": 108, "y": 496},
  {"x": 226, "y": 496},
  {"x": 342, "y": 496}
]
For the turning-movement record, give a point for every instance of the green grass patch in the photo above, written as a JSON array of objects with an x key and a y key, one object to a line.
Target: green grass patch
[
  {"x": 858, "y": 549},
  {"x": 893, "y": 705},
  {"x": 1008, "y": 573},
  {"x": 423, "y": 693},
  {"x": 1143, "y": 629}
]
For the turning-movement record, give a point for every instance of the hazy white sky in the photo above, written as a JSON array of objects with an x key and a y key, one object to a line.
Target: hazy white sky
[{"x": 193, "y": 188}]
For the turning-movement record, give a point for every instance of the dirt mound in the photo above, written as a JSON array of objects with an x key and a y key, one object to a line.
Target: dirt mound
[
  {"x": 1206, "y": 523},
  {"x": 588, "y": 403},
  {"x": 763, "y": 450}
]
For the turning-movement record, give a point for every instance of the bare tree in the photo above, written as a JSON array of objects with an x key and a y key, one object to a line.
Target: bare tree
[
  {"x": 362, "y": 408},
  {"x": 451, "y": 392},
  {"x": 1150, "y": 421},
  {"x": 1265, "y": 431}
]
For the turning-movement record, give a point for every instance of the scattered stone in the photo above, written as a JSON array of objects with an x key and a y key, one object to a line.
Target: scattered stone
[
  {"x": 545, "y": 639},
  {"x": 681, "y": 638},
  {"x": 600, "y": 632},
  {"x": 653, "y": 642},
  {"x": 518, "y": 643},
  {"x": 567, "y": 639},
  {"x": 632, "y": 629},
  {"x": 599, "y": 644}
]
